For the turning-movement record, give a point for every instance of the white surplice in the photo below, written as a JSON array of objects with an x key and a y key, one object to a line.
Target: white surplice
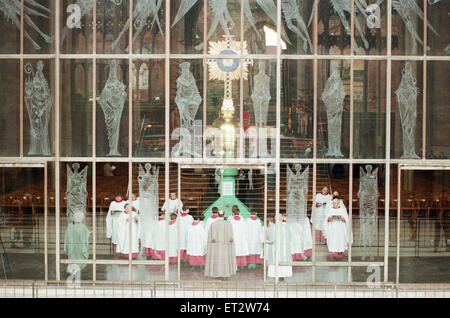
[
  {"x": 321, "y": 210},
  {"x": 239, "y": 226},
  {"x": 255, "y": 236},
  {"x": 196, "y": 239},
  {"x": 112, "y": 225},
  {"x": 210, "y": 221},
  {"x": 172, "y": 205},
  {"x": 185, "y": 221},
  {"x": 173, "y": 239},
  {"x": 283, "y": 247},
  {"x": 123, "y": 246},
  {"x": 159, "y": 235},
  {"x": 336, "y": 231}
]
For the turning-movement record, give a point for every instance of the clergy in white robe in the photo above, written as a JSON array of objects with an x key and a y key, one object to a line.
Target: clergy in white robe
[
  {"x": 134, "y": 202},
  {"x": 173, "y": 239},
  {"x": 158, "y": 251},
  {"x": 323, "y": 201},
  {"x": 239, "y": 226},
  {"x": 116, "y": 208},
  {"x": 336, "y": 229},
  {"x": 255, "y": 236},
  {"x": 213, "y": 218},
  {"x": 185, "y": 220},
  {"x": 283, "y": 247},
  {"x": 173, "y": 204},
  {"x": 196, "y": 243},
  {"x": 128, "y": 234}
]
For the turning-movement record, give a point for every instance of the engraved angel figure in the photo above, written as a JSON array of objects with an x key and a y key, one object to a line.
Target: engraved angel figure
[
  {"x": 39, "y": 104},
  {"x": 291, "y": 12},
  {"x": 188, "y": 100},
  {"x": 261, "y": 97},
  {"x": 368, "y": 198},
  {"x": 76, "y": 192},
  {"x": 407, "y": 104},
  {"x": 333, "y": 98},
  {"x": 11, "y": 9},
  {"x": 112, "y": 100},
  {"x": 221, "y": 16},
  {"x": 148, "y": 202},
  {"x": 142, "y": 11}
]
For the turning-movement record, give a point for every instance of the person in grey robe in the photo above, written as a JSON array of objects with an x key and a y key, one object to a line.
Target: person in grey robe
[{"x": 220, "y": 252}]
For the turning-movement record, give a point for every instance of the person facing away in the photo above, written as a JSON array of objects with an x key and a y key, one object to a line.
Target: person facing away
[
  {"x": 128, "y": 232},
  {"x": 185, "y": 220},
  {"x": 255, "y": 237},
  {"x": 159, "y": 239},
  {"x": 173, "y": 239},
  {"x": 239, "y": 226},
  {"x": 214, "y": 217},
  {"x": 196, "y": 242},
  {"x": 220, "y": 259},
  {"x": 116, "y": 207}
]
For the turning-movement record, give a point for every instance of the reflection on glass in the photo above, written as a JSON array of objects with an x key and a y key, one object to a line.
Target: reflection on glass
[
  {"x": 76, "y": 110},
  {"x": 187, "y": 25},
  {"x": 438, "y": 17},
  {"x": 9, "y": 113},
  {"x": 297, "y": 109},
  {"x": 76, "y": 22},
  {"x": 39, "y": 21}
]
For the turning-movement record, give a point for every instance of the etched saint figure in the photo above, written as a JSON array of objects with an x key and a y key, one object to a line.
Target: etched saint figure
[
  {"x": 333, "y": 98},
  {"x": 291, "y": 12},
  {"x": 11, "y": 9},
  {"x": 148, "y": 202},
  {"x": 142, "y": 11},
  {"x": 188, "y": 100},
  {"x": 368, "y": 198},
  {"x": 221, "y": 16},
  {"x": 76, "y": 192},
  {"x": 297, "y": 220},
  {"x": 407, "y": 104},
  {"x": 261, "y": 97},
  {"x": 39, "y": 104},
  {"x": 112, "y": 100},
  {"x": 409, "y": 11}
]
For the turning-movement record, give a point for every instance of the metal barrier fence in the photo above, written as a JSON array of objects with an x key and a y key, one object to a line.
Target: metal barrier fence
[{"x": 216, "y": 289}]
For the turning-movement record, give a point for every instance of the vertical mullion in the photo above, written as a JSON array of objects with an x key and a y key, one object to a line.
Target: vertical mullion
[
  {"x": 397, "y": 269},
  {"x": 167, "y": 132},
  {"x": 241, "y": 153},
  {"x": 424, "y": 95},
  {"x": 93, "y": 134},
  {"x": 21, "y": 80},
  {"x": 46, "y": 227},
  {"x": 130, "y": 130},
  {"x": 57, "y": 138},
  {"x": 388, "y": 141},
  {"x": 265, "y": 224},
  {"x": 277, "y": 159},
  {"x": 178, "y": 223},
  {"x": 350, "y": 183},
  {"x": 205, "y": 76}
]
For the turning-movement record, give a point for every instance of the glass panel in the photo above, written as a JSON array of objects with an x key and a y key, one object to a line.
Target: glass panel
[
  {"x": 39, "y": 107},
  {"x": 332, "y": 274},
  {"x": 111, "y": 193},
  {"x": 116, "y": 272},
  {"x": 112, "y": 108},
  {"x": 76, "y": 217},
  {"x": 407, "y": 117},
  {"x": 76, "y": 110},
  {"x": 187, "y": 24},
  {"x": 297, "y": 109},
  {"x": 148, "y": 108},
  {"x": 332, "y": 219},
  {"x": 10, "y": 112},
  {"x": 438, "y": 125},
  {"x": 76, "y": 27},
  {"x": 297, "y": 17},
  {"x": 149, "y": 27},
  {"x": 438, "y": 40},
  {"x": 371, "y": 275},
  {"x": 22, "y": 219},
  {"x": 112, "y": 27},
  {"x": 39, "y": 23},
  {"x": 425, "y": 227},
  {"x": 407, "y": 28},
  {"x": 186, "y": 110},
  {"x": 369, "y": 99},
  {"x": 371, "y": 27},
  {"x": 259, "y": 112},
  {"x": 333, "y": 114},
  {"x": 9, "y": 30},
  {"x": 334, "y": 28},
  {"x": 368, "y": 212}
]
